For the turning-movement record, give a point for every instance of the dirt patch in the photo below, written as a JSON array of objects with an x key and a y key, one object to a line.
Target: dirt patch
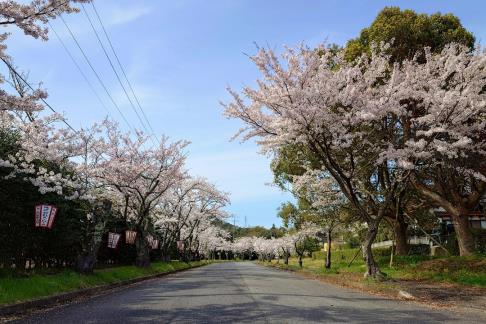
[
  {"x": 445, "y": 294},
  {"x": 453, "y": 265}
]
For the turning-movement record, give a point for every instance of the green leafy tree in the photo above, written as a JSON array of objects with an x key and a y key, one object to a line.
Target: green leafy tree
[{"x": 409, "y": 33}]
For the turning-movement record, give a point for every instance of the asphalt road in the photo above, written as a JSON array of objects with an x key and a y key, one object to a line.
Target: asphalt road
[{"x": 242, "y": 292}]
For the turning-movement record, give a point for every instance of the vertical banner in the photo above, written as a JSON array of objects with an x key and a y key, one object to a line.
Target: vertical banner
[
  {"x": 37, "y": 215},
  {"x": 113, "y": 239},
  {"x": 45, "y": 214},
  {"x": 130, "y": 236},
  {"x": 52, "y": 217}
]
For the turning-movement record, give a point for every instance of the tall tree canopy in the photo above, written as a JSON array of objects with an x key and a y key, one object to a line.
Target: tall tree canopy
[{"x": 410, "y": 33}]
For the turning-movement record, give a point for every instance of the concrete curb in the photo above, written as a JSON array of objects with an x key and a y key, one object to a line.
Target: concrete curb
[{"x": 64, "y": 298}]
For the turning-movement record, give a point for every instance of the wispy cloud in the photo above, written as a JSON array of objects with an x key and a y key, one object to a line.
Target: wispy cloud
[{"x": 119, "y": 16}]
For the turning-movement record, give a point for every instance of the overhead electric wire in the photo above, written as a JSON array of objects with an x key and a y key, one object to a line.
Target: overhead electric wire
[
  {"x": 95, "y": 73},
  {"x": 79, "y": 69},
  {"x": 121, "y": 66},
  {"x": 11, "y": 68},
  {"x": 114, "y": 70}
]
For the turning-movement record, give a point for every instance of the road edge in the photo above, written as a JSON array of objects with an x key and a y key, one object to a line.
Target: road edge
[
  {"x": 376, "y": 292},
  {"x": 67, "y": 297}
]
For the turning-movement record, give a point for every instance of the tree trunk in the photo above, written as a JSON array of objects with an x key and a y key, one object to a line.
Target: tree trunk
[
  {"x": 459, "y": 213},
  {"x": 400, "y": 231},
  {"x": 85, "y": 264},
  {"x": 328, "y": 255},
  {"x": 286, "y": 258},
  {"x": 300, "y": 260},
  {"x": 143, "y": 253},
  {"x": 166, "y": 257},
  {"x": 372, "y": 269},
  {"x": 465, "y": 238}
]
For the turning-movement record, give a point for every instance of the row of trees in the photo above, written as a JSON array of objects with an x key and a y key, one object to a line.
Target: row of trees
[
  {"x": 100, "y": 177},
  {"x": 293, "y": 242},
  {"x": 382, "y": 133}
]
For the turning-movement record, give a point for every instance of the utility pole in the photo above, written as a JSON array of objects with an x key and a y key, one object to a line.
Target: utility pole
[{"x": 234, "y": 227}]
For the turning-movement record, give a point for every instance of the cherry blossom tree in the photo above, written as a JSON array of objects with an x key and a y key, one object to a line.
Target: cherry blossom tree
[
  {"x": 39, "y": 139},
  {"x": 316, "y": 100},
  {"x": 31, "y": 18},
  {"x": 357, "y": 120},
  {"x": 141, "y": 175},
  {"x": 441, "y": 107},
  {"x": 327, "y": 203},
  {"x": 187, "y": 210}
]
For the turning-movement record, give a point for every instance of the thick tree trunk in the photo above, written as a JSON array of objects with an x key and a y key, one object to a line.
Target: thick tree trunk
[
  {"x": 286, "y": 258},
  {"x": 400, "y": 231},
  {"x": 143, "y": 253},
  {"x": 328, "y": 255},
  {"x": 372, "y": 269},
  {"x": 464, "y": 235},
  {"x": 459, "y": 213},
  {"x": 300, "y": 260}
]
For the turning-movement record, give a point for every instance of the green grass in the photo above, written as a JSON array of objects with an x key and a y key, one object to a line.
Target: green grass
[
  {"x": 469, "y": 271},
  {"x": 15, "y": 289}
]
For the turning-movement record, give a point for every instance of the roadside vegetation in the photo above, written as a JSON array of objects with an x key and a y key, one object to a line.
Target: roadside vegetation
[
  {"x": 468, "y": 270},
  {"x": 18, "y": 288}
]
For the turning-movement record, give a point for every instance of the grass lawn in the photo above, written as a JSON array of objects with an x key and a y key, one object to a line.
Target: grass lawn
[
  {"x": 15, "y": 289},
  {"x": 469, "y": 271}
]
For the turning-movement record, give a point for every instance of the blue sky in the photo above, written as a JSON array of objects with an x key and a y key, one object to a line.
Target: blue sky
[{"x": 181, "y": 55}]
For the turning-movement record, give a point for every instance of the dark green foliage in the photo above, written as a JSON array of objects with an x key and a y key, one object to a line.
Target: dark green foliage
[
  {"x": 410, "y": 33},
  {"x": 258, "y": 231},
  {"x": 45, "y": 248}
]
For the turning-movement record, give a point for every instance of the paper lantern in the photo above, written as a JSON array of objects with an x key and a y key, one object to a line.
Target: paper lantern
[
  {"x": 113, "y": 239},
  {"x": 155, "y": 244},
  {"x": 130, "y": 236},
  {"x": 44, "y": 215}
]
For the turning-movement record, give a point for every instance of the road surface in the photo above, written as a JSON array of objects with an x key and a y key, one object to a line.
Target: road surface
[{"x": 242, "y": 292}]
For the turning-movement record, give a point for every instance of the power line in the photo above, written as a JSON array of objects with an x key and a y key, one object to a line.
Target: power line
[
  {"x": 121, "y": 66},
  {"x": 79, "y": 68},
  {"x": 96, "y": 73},
  {"x": 113, "y": 68},
  {"x": 11, "y": 68}
]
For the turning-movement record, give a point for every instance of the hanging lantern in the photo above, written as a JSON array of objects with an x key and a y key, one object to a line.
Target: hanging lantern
[
  {"x": 44, "y": 215},
  {"x": 155, "y": 244},
  {"x": 180, "y": 245},
  {"x": 113, "y": 239},
  {"x": 152, "y": 242},
  {"x": 150, "y": 238},
  {"x": 130, "y": 236}
]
